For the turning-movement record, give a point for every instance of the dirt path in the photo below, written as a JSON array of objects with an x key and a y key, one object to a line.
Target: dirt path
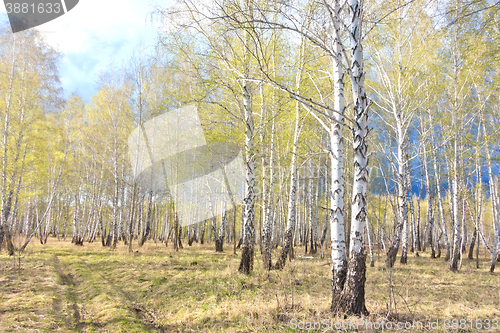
[
  {"x": 137, "y": 309},
  {"x": 67, "y": 281}
]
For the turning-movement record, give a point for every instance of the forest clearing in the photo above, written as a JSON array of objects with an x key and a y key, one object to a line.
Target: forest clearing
[
  {"x": 260, "y": 166},
  {"x": 65, "y": 288}
]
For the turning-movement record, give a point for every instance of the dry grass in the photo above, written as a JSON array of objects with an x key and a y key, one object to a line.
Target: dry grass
[{"x": 64, "y": 288}]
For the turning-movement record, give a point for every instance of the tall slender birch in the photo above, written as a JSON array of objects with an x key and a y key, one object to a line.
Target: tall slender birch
[
  {"x": 267, "y": 209},
  {"x": 414, "y": 232},
  {"x": 402, "y": 224},
  {"x": 248, "y": 228},
  {"x": 292, "y": 195},
  {"x": 442, "y": 219},
  {"x": 288, "y": 237},
  {"x": 352, "y": 299},
  {"x": 430, "y": 200},
  {"x": 339, "y": 258},
  {"x": 493, "y": 192}
]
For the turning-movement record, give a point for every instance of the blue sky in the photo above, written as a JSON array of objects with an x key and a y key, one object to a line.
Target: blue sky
[{"x": 94, "y": 34}]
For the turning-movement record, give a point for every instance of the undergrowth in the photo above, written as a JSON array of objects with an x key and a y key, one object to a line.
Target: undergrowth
[{"x": 60, "y": 287}]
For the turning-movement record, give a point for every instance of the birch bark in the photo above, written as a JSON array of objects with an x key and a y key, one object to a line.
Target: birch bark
[{"x": 352, "y": 299}]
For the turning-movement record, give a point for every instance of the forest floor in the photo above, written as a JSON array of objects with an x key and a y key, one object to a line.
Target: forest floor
[{"x": 60, "y": 287}]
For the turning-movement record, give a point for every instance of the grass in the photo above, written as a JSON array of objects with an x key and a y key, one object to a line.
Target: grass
[{"x": 64, "y": 288}]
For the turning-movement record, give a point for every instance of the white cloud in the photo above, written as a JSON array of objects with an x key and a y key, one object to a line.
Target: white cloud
[
  {"x": 94, "y": 33},
  {"x": 131, "y": 33},
  {"x": 110, "y": 19}
]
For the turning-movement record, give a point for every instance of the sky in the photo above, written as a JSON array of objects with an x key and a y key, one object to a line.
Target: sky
[{"x": 94, "y": 34}]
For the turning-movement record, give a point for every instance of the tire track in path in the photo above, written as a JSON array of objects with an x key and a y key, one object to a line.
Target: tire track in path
[
  {"x": 148, "y": 318},
  {"x": 67, "y": 281}
]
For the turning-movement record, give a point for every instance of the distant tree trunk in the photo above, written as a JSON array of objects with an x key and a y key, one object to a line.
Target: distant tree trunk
[
  {"x": 323, "y": 237},
  {"x": 456, "y": 218},
  {"x": 5, "y": 235},
  {"x": 177, "y": 237},
  {"x": 268, "y": 203},
  {"x": 414, "y": 232},
  {"x": 292, "y": 197},
  {"x": 288, "y": 237},
  {"x": 440, "y": 204},
  {"x": 222, "y": 229},
  {"x": 132, "y": 218},
  {"x": 310, "y": 211},
  {"x": 219, "y": 239},
  {"x": 116, "y": 188},
  {"x": 191, "y": 235},
  {"x": 123, "y": 204},
  {"x": 471, "y": 247},
  {"x": 76, "y": 233},
  {"x": 401, "y": 231},
  {"x": 430, "y": 213},
  {"x": 418, "y": 244},
  {"x": 496, "y": 237},
  {"x": 147, "y": 229},
  {"x": 234, "y": 229},
  {"x": 179, "y": 232},
  {"x": 430, "y": 200},
  {"x": 27, "y": 219},
  {"x": 463, "y": 236},
  {"x": 493, "y": 193},
  {"x": 327, "y": 216},
  {"x": 104, "y": 237},
  {"x": 478, "y": 199},
  {"x": 370, "y": 243},
  {"x": 202, "y": 232}
]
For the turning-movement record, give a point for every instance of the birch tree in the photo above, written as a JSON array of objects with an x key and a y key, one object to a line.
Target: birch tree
[
  {"x": 351, "y": 299},
  {"x": 30, "y": 87},
  {"x": 399, "y": 50},
  {"x": 110, "y": 116}
]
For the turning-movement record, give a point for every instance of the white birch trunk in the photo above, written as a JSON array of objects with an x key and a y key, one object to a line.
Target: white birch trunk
[
  {"x": 5, "y": 210},
  {"x": 353, "y": 296},
  {"x": 430, "y": 199},
  {"x": 442, "y": 218},
  {"x": 401, "y": 232},
  {"x": 268, "y": 203},
  {"x": 246, "y": 264},
  {"x": 310, "y": 208},
  {"x": 337, "y": 234},
  {"x": 292, "y": 197},
  {"x": 289, "y": 236},
  {"x": 493, "y": 194},
  {"x": 455, "y": 194},
  {"x": 412, "y": 214}
]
